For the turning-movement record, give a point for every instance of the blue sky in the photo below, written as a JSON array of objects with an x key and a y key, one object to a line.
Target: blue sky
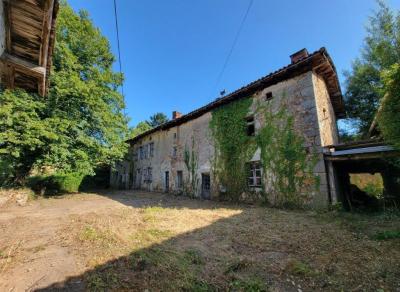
[{"x": 173, "y": 51}]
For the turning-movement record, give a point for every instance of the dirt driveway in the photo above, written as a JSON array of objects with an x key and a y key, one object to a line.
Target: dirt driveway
[{"x": 135, "y": 241}]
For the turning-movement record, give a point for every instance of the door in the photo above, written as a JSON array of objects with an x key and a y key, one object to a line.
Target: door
[
  {"x": 205, "y": 186},
  {"x": 167, "y": 181},
  {"x": 138, "y": 179}
]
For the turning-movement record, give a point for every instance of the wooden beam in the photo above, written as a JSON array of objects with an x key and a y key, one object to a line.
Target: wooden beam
[
  {"x": 7, "y": 23},
  {"x": 46, "y": 30},
  {"x": 24, "y": 66}
]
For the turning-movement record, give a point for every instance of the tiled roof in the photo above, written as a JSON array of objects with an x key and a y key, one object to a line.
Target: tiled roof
[{"x": 318, "y": 61}]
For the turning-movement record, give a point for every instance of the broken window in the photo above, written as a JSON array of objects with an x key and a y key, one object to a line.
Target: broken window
[
  {"x": 254, "y": 179},
  {"x": 180, "y": 179},
  {"x": 251, "y": 129}
]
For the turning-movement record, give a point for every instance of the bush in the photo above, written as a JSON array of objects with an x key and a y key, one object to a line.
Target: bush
[{"x": 55, "y": 184}]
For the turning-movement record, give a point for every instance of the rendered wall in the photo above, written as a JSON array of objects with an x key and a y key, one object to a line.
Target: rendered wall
[
  {"x": 326, "y": 114},
  {"x": 301, "y": 95}
]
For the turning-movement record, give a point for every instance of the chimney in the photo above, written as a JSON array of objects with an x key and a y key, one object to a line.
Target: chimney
[
  {"x": 299, "y": 56},
  {"x": 176, "y": 115}
]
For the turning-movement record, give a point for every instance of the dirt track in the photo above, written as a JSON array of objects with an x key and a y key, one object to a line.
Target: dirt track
[{"x": 134, "y": 241}]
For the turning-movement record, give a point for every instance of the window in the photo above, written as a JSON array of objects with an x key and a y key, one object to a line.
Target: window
[
  {"x": 146, "y": 152},
  {"x": 151, "y": 149},
  {"x": 180, "y": 179},
  {"x": 254, "y": 179},
  {"x": 250, "y": 126},
  {"x": 141, "y": 152},
  {"x": 175, "y": 152},
  {"x": 268, "y": 96},
  {"x": 174, "y": 135},
  {"x": 149, "y": 174},
  {"x": 145, "y": 174},
  {"x": 135, "y": 155}
]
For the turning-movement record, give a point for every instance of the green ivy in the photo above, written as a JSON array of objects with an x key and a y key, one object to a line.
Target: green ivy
[
  {"x": 191, "y": 162},
  {"x": 233, "y": 147},
  {"x": 287, "y": 167}
]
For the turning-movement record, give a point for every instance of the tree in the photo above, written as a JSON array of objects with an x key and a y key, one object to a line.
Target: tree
[
  {"x": 380, "y": 52},
  {"x": 157, "y": 119},
  {"x": 139, "y": 129},
  {"x": 389, "y": 112},
  {"x": 80, "y": 123}
]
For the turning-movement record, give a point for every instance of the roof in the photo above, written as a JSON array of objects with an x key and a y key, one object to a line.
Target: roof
[
  {"x": 30, "y": 34},
  {"x": 319, "y": 61}
]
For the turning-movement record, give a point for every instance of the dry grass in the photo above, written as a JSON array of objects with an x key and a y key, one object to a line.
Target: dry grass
[{"x": 160, "y": 243}]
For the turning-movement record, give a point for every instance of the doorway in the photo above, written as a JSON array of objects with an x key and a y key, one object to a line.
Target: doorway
[
  {"x": 167, "y": 181},
  {"x": 205, "y": 186}
]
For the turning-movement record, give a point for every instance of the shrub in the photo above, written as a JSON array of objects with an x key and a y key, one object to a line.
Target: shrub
[{"x": 55, "y": 184}]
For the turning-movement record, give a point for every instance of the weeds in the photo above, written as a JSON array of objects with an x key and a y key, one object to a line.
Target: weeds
[{"x": 385, "y": 235}]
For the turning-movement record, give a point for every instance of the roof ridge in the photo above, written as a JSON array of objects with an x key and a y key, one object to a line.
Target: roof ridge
[{"x": 220, "y": 101}]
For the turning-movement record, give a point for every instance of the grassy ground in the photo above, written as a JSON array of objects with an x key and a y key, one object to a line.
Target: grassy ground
[{"x": 136, "y": 241}]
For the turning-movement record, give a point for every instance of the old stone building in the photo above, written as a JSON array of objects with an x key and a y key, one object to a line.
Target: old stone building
[
  {"x": 179, "y": 156},
  {"x": 27, "y": 35}
]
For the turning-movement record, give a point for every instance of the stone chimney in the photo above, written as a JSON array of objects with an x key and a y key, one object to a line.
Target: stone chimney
[
  {"x": 299, "y": 56},
  {"x": 176, "y": 115}
]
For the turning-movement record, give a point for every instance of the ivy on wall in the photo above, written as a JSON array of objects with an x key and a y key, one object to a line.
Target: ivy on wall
[
  {"x": 191, "y": 162},
  {"x": 233, "y": 147},
  {"x": 287, "y": 167}
]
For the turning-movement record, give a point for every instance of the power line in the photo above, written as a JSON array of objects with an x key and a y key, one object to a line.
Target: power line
[
  {"x": 118, "y": 44},
  {"x": 233, "y": 45}
]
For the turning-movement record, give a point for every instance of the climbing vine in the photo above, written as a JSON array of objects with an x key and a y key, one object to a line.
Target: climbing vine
[
  {"x": 191, "y": 162},
  {"x": 233, "y": 147},
  {"x": 287, "y": 167}
]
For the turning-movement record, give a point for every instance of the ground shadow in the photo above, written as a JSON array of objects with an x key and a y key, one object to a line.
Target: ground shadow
[{"x": 254, "y": 250}]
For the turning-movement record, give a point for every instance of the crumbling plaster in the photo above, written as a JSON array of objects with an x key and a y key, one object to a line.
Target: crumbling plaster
[{"x": 303, "y": 95}]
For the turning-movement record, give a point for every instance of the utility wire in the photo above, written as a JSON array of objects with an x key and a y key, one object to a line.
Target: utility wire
[
  {"x": 233, "y": 45},
  {"x": 119, "y": 47}
]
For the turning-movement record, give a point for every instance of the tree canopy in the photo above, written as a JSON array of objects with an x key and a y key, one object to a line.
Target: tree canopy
[
  {"x": 80, "y": 123},
  {"x": 157, "y": 119},
  {"x": 139, "y": 129},
  {"x": 381, "y": 50}
]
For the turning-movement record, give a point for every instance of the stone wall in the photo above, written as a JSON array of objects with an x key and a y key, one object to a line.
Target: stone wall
[
  {"x": 326, "y": 114},
  {"x": 303, "y": 95}
]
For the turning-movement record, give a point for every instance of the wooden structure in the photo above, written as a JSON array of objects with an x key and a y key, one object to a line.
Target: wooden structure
[{"x": 29, "y": 43}]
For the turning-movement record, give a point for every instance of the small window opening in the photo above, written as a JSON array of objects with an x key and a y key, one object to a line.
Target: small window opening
[
  {"x": 268, "y": 96},
  {"x": 175, "y": 152},
  {"x": 251, "y": 129}
]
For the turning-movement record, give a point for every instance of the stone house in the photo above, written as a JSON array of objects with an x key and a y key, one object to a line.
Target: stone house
[{"x": 158, "y": 160}]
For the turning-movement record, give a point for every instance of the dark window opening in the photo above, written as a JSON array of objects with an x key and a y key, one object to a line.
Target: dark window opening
[
  {"x": 251, "y": 129},
  {"x": 180, "y": 179},
  {"x": 268, "y": 96}
]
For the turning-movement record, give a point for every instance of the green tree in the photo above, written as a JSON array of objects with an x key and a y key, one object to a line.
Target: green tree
[
  {"x": 139, "y": 129},
  {"x": 80, "y": 123},
  {"x": 381, "y": 50},
  {"x": 389, "y": 112},
  {"x": 157, "y": 119}
]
